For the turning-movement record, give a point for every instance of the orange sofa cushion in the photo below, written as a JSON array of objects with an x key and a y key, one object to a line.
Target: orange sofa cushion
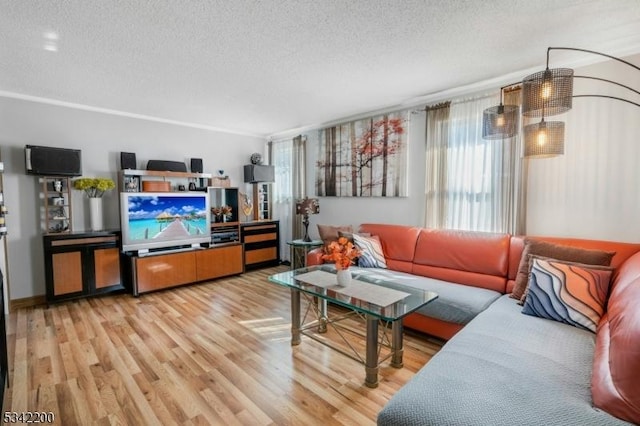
[
  {"x": 398, "y": 243},
  {"x": 616, "y": 366},
  {"x": 480, "y": 259}
]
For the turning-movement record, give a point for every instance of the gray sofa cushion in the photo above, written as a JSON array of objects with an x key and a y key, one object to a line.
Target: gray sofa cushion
[
  {"x": 504, "y": 368},
  {"x": 456, "y": 303}
]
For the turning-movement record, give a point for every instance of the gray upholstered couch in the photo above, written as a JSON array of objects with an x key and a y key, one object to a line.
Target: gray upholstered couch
[{"x": 504, "y": 368}]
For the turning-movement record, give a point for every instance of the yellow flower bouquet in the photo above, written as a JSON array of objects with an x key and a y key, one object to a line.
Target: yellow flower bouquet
[{"x": 94, "y": 187}]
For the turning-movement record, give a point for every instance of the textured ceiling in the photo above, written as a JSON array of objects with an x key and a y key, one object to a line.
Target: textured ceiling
[{"x": 263, "y": 67}]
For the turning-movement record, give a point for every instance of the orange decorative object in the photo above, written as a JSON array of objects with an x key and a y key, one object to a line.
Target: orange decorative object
[
  {"x": 342, "y": 253},
  {"x": 156, "y": 186}
]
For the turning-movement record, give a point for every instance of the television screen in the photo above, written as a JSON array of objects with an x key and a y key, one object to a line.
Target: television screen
[{"x": 151, "y": 220}]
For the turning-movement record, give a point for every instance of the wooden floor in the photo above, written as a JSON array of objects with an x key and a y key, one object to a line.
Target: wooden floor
[{"x": 213, "y": 353}]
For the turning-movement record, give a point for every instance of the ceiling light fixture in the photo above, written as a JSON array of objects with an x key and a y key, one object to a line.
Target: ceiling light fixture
[{"x": 50, "y": 41}]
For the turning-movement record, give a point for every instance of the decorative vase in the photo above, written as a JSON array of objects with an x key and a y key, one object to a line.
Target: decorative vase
[
  {"x": 344, "y": 277},
  {"x": 95, "y": 212}
]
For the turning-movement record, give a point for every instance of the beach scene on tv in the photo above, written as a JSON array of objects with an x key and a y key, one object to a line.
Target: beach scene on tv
[{"x": 167, "y": 217}]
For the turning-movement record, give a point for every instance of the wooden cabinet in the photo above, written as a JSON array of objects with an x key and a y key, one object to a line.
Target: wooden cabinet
[
  {"x": 219, "y": 262},
  {"x": 161, "y": 271},
  {"x": 81, "y": 264},
  {"x": 261, "y": 242}
]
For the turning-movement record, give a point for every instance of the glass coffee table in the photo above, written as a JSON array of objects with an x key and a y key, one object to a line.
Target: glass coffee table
[{"x": 375, "y": 300}]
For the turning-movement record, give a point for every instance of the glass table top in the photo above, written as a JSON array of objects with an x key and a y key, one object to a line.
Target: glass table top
[{"x": 382, "y": 298}]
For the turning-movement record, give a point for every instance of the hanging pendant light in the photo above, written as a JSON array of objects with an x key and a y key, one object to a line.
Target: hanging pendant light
[
  {"x": 544, "y": 139},
  {"x": 500, "y": 122},
  {"x": 550, "y": 91}
]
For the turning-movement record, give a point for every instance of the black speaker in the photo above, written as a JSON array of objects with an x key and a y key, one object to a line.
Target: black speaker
[
  {"x": 48, "y": 161},
  {"x": 196, "y": 165},
  {"x": 166, "y": 166},
  {"x": 254, "y": 173},
  {"x": 128, "y": 160}
]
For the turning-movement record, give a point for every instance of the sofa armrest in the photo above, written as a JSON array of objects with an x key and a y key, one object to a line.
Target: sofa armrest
[{"x": 314, "y": 257}]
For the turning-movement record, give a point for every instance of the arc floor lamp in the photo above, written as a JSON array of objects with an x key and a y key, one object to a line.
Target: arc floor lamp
[{"x": 548, "y": 93}]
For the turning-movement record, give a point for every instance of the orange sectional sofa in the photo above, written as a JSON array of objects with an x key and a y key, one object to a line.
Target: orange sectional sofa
[{"x": 439, "y": 392}]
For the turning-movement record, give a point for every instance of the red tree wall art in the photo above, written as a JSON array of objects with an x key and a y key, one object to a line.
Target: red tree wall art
[{"x": 364, "y": 158}]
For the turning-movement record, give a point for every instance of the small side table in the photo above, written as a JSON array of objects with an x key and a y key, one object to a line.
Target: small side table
[{"x": 299, "y": 250}]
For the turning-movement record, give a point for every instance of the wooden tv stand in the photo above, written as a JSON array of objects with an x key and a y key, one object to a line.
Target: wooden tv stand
[{"x": 164, "y": 270}]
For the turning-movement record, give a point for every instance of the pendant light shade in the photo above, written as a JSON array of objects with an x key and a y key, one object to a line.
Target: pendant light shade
[
  {"x": 544, "y": 139},
  {"x": 548, "y": 92},
  {"x": 500, "y": 122}
]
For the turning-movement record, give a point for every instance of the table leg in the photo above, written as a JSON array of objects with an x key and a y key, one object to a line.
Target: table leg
[
  {"x": 396, "y": 344},
  {"x": 371, "y": 364},
  {"x": 322, "y": 315},
  {"x": 295, "y": 317}
]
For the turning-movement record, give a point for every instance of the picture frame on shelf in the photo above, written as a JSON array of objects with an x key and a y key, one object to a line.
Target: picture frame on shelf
[{"x": 131, "y": 183}]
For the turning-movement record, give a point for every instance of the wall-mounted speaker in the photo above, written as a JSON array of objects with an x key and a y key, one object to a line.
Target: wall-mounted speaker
[
  {"x": 254, "y": 173},
  {"x": 196, "y": 165},
  {"x": 48, "y": 161},
  {"x": 128, "y": 160}
]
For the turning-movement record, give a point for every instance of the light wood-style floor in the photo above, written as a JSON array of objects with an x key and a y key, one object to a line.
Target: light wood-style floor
[{"x": 213, "y": 353}]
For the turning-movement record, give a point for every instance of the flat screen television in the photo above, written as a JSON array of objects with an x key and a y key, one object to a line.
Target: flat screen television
[{"x": 156, "y": 220}]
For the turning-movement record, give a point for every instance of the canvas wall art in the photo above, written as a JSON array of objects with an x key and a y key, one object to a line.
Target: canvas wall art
[{"x": 364, "y": 158}]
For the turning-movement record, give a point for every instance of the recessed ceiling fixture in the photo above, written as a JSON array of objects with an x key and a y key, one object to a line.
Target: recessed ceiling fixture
[{"x": 50, "y": 41}]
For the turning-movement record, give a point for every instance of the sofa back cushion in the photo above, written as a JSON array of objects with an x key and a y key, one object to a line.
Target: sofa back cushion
[
  {"x": 615, "y": 387},
  {"x": 622, "y": 252},
  {"x": 398, "y": 243},
  {"x": 480, "y": 259}
]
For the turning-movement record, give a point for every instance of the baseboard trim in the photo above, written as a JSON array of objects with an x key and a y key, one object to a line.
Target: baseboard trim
[{"x": 27, "y": 302}]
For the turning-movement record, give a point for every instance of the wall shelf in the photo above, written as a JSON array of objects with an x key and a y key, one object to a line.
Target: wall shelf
[{"x": 56, "y": 196}]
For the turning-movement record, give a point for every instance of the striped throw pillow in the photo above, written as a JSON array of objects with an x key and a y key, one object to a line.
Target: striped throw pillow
[
  {"x": 372, "y": 255},
  {"x": 566, "y": 292}
]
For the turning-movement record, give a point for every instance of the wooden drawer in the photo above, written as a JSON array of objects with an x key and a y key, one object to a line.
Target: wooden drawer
[
  {"x": 260, "y": 255},
  {"x": 261, "y": 237}
]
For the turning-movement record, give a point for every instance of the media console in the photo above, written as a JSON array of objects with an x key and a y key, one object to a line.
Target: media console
[{"x": 175, "y": 268}]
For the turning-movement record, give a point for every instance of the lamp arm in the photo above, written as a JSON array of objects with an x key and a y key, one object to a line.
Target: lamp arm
[
  {"x": 590, "y": 51},
  {"x": 608, "y": 81},
  {"x": 608, "y": 97}
]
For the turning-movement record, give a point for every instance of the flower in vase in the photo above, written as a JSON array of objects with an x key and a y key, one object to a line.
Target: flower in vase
[
  {"x": 342, "y": 253},
  {"x": 94, "y": 187}
]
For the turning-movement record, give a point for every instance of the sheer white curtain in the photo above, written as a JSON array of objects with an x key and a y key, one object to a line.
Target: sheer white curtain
[
  {"x": 437, "y": 141},
  {"x": 288, "y": 157},
  {"x": 474, "y": 169}
]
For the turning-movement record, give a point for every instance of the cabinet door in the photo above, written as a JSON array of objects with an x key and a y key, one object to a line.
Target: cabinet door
[
  {"x": 219, "y": 262},
  {"x": 107, "y": 267},
  {"x": 67, "y": 272},
  {"x": 163, "y": 271}
]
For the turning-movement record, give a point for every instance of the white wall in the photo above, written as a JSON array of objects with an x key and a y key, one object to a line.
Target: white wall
[
  {"x": 593, "y": 191},
  {"x": 101, "y": 137},
  {"x": 356, "y": 210}
]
